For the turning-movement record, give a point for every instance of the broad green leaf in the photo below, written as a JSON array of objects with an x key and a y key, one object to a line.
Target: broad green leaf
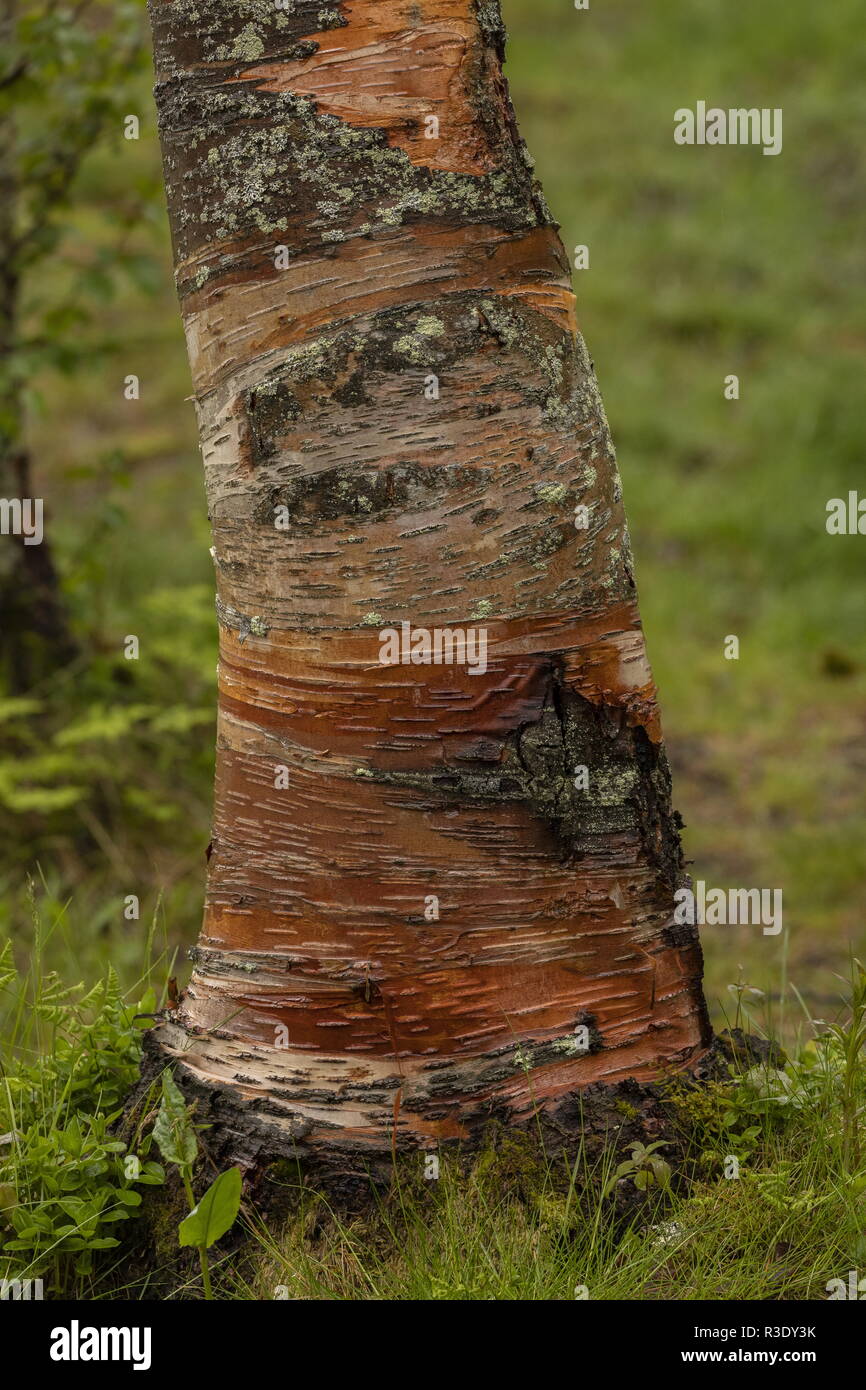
[{"x": 211, "y": 1217}]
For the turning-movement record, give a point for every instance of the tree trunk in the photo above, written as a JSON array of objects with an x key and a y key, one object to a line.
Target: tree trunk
[
  {"x": 440, "y": 914},
  {"x": 35, "y": 639}
]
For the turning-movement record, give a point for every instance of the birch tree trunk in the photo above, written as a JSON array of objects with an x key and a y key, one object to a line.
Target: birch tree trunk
[{"x": 420, "y": 908}]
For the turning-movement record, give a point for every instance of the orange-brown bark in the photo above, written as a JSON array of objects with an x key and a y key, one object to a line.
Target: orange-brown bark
[{"x": 328, "y": 991}]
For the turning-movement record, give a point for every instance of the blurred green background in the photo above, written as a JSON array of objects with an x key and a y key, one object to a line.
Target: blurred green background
[{"x": 703, "y": 262}]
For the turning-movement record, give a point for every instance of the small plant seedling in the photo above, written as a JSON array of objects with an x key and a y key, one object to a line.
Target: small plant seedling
[
  {"x": 216, "y": 1211},
  {"x": 645, "y": 1166}
]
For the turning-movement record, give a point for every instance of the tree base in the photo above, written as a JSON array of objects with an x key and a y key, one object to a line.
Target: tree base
[{"x": 237, "y": 1131}]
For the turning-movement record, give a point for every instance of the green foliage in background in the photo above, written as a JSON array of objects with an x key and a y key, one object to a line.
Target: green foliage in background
[
  {"x": 115, "y": 750},
  {"x": 64, "y": 81}
]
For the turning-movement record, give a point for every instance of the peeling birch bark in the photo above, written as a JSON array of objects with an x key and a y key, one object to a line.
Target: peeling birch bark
[{"x": 330, "y": 997}]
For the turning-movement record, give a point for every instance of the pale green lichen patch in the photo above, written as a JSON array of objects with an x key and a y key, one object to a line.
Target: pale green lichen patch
[
  {"x": 430, "y": 326},
  {"x": 552, "y": 492},
  {"x": 415, "y": 346},
  {"x": 611, "y": 786},
  {"x": 247, "y": 46},
  {"x": 569, "y": 1047}
]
